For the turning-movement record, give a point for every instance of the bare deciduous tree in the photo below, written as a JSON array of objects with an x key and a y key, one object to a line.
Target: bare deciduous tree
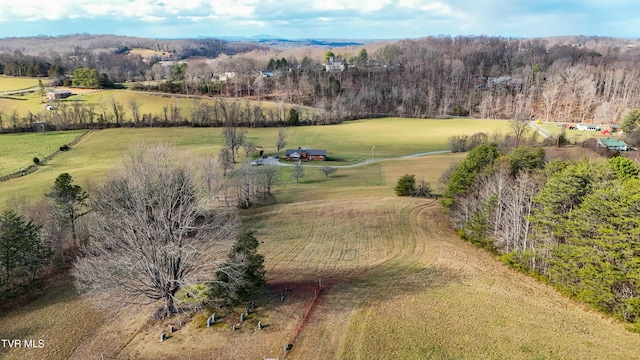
[
  {"x": 153, "y": 234},
  {"x": 249, "y": 147},
  {"x": 245, "y": 181},
  {"x": 422, "y": 189},
  {"x": 282, "y": 139},
  {"x": 233, "y": 138},
  {"x": 135, "y": 111},
  {"x": 328, "y": 170},
  {"x": 519, "y": 128},
  {"x": 297, "y": 172},
  {"x": 118, "y": 110},
  {"x": 226, "y": 160},
  {"x": 268, "y": 177},
  {"x": 550, "y": 95}
]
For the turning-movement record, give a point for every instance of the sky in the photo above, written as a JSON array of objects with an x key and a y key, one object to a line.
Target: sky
[{"x": 321, "y": 19}]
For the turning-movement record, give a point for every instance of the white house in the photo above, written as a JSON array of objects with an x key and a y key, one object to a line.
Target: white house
[
  {"x": 226, "y": 76},
  {"x": 588, "y": 127},
  {"x": 335, "y": 64}
]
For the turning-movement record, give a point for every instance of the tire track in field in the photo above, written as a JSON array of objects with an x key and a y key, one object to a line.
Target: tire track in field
[
  {"x": 339, "y": 239},
  {"x": 412, "y": 254},
  {"x": 361, "y": 249}
]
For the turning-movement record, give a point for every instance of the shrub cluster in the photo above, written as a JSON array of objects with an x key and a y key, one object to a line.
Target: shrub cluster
[{"x": 408, "y": 186}]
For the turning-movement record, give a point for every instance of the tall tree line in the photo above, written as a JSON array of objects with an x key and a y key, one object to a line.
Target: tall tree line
[
  {"x": 488, "y": 77},
  {"x": 195, "y": 111},
  {"x": 590, "y": 80},
  {"x": 573, "y": 224}
]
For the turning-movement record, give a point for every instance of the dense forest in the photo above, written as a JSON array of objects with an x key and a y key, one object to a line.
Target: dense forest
[
  {"x": 580, "y": 80},
  {"x": 573, "y": 224}
]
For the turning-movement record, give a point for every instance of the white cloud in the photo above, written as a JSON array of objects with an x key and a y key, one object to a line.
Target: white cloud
[
  {"x": 358, "y": 5},
  {"x": 308, "y": 18},
  {"x": 32, "y": 10},
  {"x": 233, "y": 8},
  {"x": 436, "y": 7}
]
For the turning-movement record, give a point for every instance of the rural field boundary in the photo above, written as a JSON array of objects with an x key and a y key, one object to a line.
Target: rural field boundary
[
  {"x": 305, "y": 317},
  {"x": 33, "y": 168},
  {"x": 18, "y": 91}
]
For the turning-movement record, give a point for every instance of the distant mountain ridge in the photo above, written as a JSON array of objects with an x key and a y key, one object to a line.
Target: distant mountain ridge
[
  {"x": 280, "y": 42},
  {"x": 34, "y": 45}
]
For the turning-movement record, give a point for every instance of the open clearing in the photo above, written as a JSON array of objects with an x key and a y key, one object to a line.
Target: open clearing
[
  {"x": 574, "y": 136},
  {"x": 8, "y": 83},
  {"x": 102, "y": 150},
  {"x": 397, "y": 281},
  {"x": 18, "y": 150}
]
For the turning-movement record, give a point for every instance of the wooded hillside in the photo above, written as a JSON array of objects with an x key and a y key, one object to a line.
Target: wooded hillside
[
  {"x": 574, "y": 224},
  {"x": 579, "y": 79}
]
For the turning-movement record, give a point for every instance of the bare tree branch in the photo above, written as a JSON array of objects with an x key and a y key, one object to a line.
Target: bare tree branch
[{"x": 153, "y": 234}]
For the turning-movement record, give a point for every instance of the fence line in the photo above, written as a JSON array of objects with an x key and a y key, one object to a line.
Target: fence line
[{"x": 32, "y": 168}]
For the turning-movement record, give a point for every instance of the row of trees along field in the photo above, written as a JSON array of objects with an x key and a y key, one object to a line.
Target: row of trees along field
[
  {"x": 215, "y": 112},
  {"x": 586, "y": 79},
  {"x": 574, "y": 224},
  {"x": 158, "y": 229}
]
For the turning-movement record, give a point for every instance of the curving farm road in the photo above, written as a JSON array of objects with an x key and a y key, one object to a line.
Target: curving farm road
[{"x": 272, "y": 161}]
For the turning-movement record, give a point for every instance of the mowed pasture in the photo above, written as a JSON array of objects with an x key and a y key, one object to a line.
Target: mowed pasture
[
  {"x": 397, "y": 281},
  {"x": 18, "y": 150},
  {"x": 8, "y": 83},
  {"x": 102, "y": 150},
  {"x": 397, "y": 284}
]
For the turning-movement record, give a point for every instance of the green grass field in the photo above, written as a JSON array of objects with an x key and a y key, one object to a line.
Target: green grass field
[
  {"x": 18, "y": 150},
  {"x": 391, "y": 136},
  {"x": 102, "y": 150},
  {"x": 398, "y": 282},
  {"x": 8, "y": 83},
  {"x": 101, "y": 99}
]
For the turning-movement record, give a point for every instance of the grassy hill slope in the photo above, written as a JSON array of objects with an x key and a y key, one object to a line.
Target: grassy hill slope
[{"x": 397, "y": 282}]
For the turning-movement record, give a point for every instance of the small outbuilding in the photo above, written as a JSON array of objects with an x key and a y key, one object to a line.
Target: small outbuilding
[
  {"x": 612, "y": 144},
  {"x": 58, "y": 94},
  {"x": 305, "y": 154}
]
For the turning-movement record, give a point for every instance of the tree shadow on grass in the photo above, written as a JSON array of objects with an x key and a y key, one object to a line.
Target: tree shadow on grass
[
  {"x": 346, "y": 292},
  {"x": 336, "y": 176}
]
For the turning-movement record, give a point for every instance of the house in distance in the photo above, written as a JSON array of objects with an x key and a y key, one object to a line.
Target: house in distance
[
  {"x": 58, "y": 94},
  {"x": 612, "y": 144},
  {"x": 304, "y": 154}
]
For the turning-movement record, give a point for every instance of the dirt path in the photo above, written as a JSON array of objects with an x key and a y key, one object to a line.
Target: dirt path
[
  {"x": 362, "y": 163},
  {"x": 537, "y": 128}
]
